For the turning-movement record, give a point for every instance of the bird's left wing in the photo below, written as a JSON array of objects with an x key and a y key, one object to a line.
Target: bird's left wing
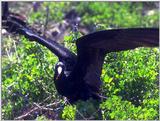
[{"x": 93, "y": 47}]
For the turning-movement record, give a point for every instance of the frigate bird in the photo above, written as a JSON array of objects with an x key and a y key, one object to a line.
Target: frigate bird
[{"x": 77, "y": 76}]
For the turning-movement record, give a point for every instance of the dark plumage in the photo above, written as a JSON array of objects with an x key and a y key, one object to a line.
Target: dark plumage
[
  {"x": 78, "y": 76},
  {"x": 84, "y": 81}
]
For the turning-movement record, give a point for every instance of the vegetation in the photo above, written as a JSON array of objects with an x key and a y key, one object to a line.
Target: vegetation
[{"x": 130, "y": 78}]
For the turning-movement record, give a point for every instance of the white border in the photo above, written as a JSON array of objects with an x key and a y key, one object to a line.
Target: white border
[{"x": 72, "y": 0}]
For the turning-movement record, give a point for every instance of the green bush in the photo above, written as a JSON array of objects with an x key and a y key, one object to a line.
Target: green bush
[
  {"x": 115, "y": 108},
  {"x": 28, "y": 77}
]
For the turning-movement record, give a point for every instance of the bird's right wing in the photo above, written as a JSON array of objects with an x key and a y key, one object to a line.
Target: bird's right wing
[{"x": 14, "y": 23}]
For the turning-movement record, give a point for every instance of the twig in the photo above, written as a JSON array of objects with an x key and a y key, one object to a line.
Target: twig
[
  {"x": 42, "y": 107},
  {"x": 45, "y": 100},
  {"x": 52, "y": 104},
  {"x": 34, "y": 109},
  {"x": 9, "y": 57},
  {"x": 46, "y": 21},
  {"x": 27, "y": 114},
  {"x": 15, "y": 48},
  {"x": 38, "y": 106}
]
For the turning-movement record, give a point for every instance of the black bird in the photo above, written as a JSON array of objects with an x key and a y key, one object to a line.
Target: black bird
[{"x": 77, "y": 77}]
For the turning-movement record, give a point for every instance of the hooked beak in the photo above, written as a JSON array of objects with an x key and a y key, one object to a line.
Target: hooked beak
[{"x": 57, "y": 77}]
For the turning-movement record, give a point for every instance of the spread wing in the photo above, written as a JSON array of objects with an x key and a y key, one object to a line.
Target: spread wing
[
  {"x": 93, "y": 47},
  {"x": 15, "y": 23}
]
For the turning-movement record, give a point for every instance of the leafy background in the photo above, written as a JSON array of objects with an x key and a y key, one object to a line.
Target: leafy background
[{"x": 130, "y": 78}]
